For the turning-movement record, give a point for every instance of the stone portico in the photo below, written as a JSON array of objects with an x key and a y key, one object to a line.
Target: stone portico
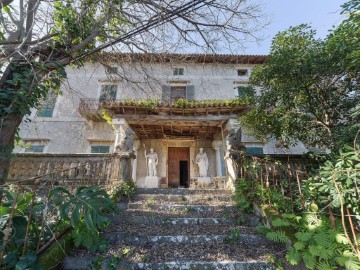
[{"x": 176, "y": 135}]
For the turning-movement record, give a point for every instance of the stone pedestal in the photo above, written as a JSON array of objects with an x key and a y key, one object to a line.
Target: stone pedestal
[
  {"x": 125, "y": 168},
  {"x": 203, "y": 181},
  {"x": 152, "y": 182}
]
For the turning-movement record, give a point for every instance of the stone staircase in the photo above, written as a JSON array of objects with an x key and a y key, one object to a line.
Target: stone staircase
[{"x": 181, "y": 229}]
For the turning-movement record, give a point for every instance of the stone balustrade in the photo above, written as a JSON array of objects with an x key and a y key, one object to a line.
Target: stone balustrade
[{"x": 67, "y": 169}]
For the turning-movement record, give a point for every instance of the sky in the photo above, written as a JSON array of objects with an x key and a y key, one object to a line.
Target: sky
[{"x": 321, "y": 14}]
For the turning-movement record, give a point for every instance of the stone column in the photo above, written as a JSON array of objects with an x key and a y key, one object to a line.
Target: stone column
[
  {"x": 136, "y": 148},
  {"x": 216, "y": 145}
]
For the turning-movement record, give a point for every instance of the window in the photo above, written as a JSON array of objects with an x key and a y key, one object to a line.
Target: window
[
  {"x": 111, "y": 70},
  {"x": 108, "y": 92},
  {"x": 178, "y": 71},
  {"x": 254, "y": 151},
  {"x": 242, "y": 72},
  {"x": 243, "y": 91},
  {"x": 46, "y": 108},
  {"x": 100, "y": 149},
  {"x": 35, "y": 148},
  {"x": 177, "y": 92},
  {"x": 173, "y": 93}
]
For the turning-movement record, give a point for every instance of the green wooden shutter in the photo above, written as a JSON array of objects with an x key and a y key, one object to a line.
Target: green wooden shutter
[
  {"x": 100, "y": 149},
  {"x": 254, "y": 150},
  {"x": 47, "y": 108},
  {"x": 108, "y": 92},
  {"x": 35, "y": 148},
  {"x": 242, "y": 91},
  {"x": 166, "y": 92},
  {"x": 190, "y": 92}
]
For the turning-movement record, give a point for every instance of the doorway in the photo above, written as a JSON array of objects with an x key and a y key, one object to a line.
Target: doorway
[
  {"x": 184, "y": 180},
  {"x": 178, "y": 167}
]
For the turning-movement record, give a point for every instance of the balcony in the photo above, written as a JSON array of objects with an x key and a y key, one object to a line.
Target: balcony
[
  {"x": 90, "y": 108},
  {"x": 153, "y": 119}
]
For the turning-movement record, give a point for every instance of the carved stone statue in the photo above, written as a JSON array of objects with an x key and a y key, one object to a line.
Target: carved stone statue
[
  {"x": 234, "y": 146},
  {"x": 125, "y": 152},
  {"x": 234, "y": 150},
  {"x": 126, "y": 143},
  {"x": 151, "y": 161},
  {"x": 202, "y": 161}
]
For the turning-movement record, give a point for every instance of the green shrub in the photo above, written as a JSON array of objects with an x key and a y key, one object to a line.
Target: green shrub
[{"x": 124, "y": 190}]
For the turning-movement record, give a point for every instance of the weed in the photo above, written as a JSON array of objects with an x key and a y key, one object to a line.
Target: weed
[
  {"x": 126, "y": 252},
  {"x": 232, "y": 237},
  {"x": 114, "y": 261},
  {"x": 151, "y": 198},
  {"x": 97, "y": 262},
  {"x": 276, "y": 262},
  {"x": 144, "y": 258},
  {"x": 241, "y": 220},
  {"x": 148, "y": 205}
]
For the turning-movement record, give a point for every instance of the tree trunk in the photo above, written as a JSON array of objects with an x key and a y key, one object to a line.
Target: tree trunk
[{"x": 8, "y": 128}]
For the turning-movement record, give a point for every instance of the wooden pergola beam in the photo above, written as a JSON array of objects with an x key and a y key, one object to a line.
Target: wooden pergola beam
[{"x": 177, "y": 117}]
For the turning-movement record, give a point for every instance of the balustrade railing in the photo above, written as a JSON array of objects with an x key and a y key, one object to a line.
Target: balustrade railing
[
  {"x": 89, "y": 104},
  {"x": 63, "y": 169}
]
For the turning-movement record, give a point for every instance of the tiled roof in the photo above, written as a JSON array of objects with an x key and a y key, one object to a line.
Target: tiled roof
[{"x": 181, "y": 58}]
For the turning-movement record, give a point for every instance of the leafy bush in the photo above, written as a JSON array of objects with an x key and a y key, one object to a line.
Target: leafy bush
[
  {"x": 87, "y": 203},
  {"x": 13, "y": 230},
  {"x": 327, "y": 235},
  {"x": 28, "y": 220},
  {"x": 337, "y": 183},
  {"x": 89, "y": 238},
  {"x": 86, "y": 210},
  {"x": 241, "y": 195},
  {"x": 123, "y": 190},
  {"x": 315, "y": 242}
]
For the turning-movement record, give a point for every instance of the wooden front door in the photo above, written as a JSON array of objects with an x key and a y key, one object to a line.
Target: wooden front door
[{"x": 178, "y": 166}]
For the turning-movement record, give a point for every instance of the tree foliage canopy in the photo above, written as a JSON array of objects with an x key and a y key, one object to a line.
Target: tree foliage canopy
[
  {"x": 309, "y": 88},
  {"x": 39, "y": 38}
]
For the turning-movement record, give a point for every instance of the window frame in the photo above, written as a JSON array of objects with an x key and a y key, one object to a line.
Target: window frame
[
  {"x": 45, "y": 110},
  {"x": 42, "y": 146},
  {"x": 99, "y": 145},
  {"x": 242, "y": 72},
  {"x": 111, "y": 70},
  {"x": 102, "y": 88},
  {"x": 179, "y": 71}
]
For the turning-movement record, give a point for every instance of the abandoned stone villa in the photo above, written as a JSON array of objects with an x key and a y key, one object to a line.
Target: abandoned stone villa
[{"x": 73, "y": 123}]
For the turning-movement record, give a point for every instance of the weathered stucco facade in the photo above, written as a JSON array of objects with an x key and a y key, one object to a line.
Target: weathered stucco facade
[{"x": 73, "y": 122}]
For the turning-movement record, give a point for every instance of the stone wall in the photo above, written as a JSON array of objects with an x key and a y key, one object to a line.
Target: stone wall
[{"x": 68, "y": 132}]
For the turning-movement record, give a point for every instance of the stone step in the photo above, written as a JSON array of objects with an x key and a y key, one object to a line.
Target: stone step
[
  {"x": 142, "y": 240},
  {"x": 182, "y": 191},
  {"x": 154, "y": 219},
  {"x": 182, "y": 207},
  {"x": 168, "y": 229},
  {"x": 210, "y": 252},
  {"x": 194, "y": 198},
  {"x": 148, "y": 216},
  {"x": 79, "y": 263},
  {"x": 192, "y": 265}
]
